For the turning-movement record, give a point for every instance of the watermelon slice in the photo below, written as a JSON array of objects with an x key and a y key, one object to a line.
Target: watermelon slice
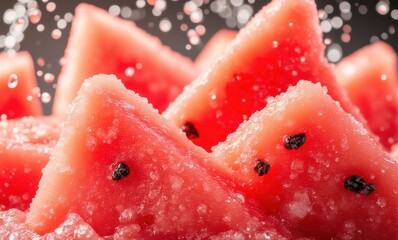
[
  {"x": 371, "y": 80},
  {"x": 314, "y": 167},
  {"x": 279, "y": 46},
  {"x": 101, "y": 43},
  {"x": 129, "y": 165},
  {"x": 25, "y": 146},
  {"x": 215, "y": 47},
  {"x": 17, "y": 77}
]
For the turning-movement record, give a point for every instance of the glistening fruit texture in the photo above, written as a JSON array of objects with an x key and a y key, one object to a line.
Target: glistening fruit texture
[{"x": 262, "y": 136}]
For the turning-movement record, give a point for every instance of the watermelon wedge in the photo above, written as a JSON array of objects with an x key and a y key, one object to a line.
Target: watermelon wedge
[
  {"x": 101, "y": 43},
  {"x": 370, "y": 77},
  {"x": 25, "y": 147},
  {"x": 130, "y": 166},
  {"x": 314, "y": 167},
  {"x": 215, "y": 47},
  {"x": 279, "y": 46},
  {"x": 17, "y": 77}
]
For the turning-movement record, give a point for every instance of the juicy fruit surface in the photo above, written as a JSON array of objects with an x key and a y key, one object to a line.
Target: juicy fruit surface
[
  {"x": 371, "y": 80},
  {"x": 18, "y": 81},
  {"x": 101, "y": 43},
  {"x": 25, "y": 147},
  {"x": 214, "y": 48},
  {"x": 13, "y": 226},
  {"x": 281, "y": 45},
  {"x": 166, "y": 191},
  {"x": 305, "y": 186}
]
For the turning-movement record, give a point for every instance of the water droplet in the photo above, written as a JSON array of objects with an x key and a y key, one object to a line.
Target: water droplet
[
  {"x": 382, "y": 7},
  {"x": 126, "y": 12},
  {"x": 45, "y": 97},
  {"x": 40, "y": 28},
  {"x": 363, "y": 9},
  {"x": 334, "y": 53},
  {"x": 34, "y": 16},
  {"x": 9, "y": 16},
  {"x": 12, "y": 81},
  {"x": 49, "y": 77},
  {"x": 129, "y": 72},
  {"x": 20, "y": 24},
  {"x": 381, "y": 202},
  {"x": 165, "y": 25},
  {"x": 50, "y": 7},
  {"x": 202, "y": 208},
  {"x": 383, "y": 77},
  {"x": 200, "y": 29},
  {"x": 61, "y": 24},
  {"x": 56, "y": 34},
  {"x": 394, "y": 14},
  {"x": 197, "y": 16},
  {"x": 40, "y": 62}
]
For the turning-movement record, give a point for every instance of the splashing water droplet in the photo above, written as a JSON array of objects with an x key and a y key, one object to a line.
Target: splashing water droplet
[
  {"x": 165, "y": 25},
  {"x": 13, "y": 81},
  {"x": 56, "y": 34},
  {"x": 20, "y": 24},
  {"x": 49, "y": 77},
  {"x": 41, "y": 62},
  {"x": 382, "y": 7},
  {"x": 334, "y": 53},
  {"x": 45, "y": 97},
  {"x": 51, "y": 6},
  {"x": 34, "y": 16}
]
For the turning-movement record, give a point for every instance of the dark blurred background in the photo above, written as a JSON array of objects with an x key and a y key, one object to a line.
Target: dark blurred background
[{"x": 42, "y": 26}]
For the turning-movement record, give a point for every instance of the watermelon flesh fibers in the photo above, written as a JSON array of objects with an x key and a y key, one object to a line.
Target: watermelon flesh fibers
[
  {"x": 309, "y": 179},
  {"x": 167, "y": 192}
]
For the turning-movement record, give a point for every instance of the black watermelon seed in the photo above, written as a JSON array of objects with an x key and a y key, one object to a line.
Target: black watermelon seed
[
  {"x": 190, "y": 130},
  {"x": 261, "y": 167},
  {"x": 121, "y": 171},
  {"x": 294, "y": 141},
  {"x": 357, "y": 184},
  {"x": 369, "y": 189}
]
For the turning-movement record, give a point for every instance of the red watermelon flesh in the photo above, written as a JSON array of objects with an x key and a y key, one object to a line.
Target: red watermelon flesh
[
  {"x": 371, "y": 80},
  {"x": 305, "y": 184},
  {"x": 279, "y": 46},
  {"x": 17, "y": 78},
  {"x": 13, "y": 226},
  {"x": 214, "y": 48},
  {"x": 25, "y": 147},
  {"x": 101, "y": 43},
  {"x": 168, "y": 192}
]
